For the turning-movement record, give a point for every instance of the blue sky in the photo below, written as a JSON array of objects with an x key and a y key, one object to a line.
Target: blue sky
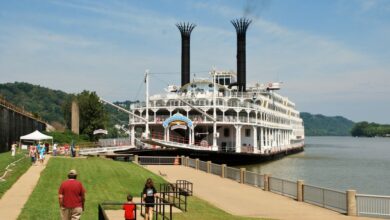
[{"x": 332, "y": 56}]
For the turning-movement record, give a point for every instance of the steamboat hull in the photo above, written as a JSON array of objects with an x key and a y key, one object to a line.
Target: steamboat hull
[{"x": 218, "y": 157}]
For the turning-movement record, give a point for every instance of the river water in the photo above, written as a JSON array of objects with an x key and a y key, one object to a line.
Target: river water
[{"x": 339, "y": 163}]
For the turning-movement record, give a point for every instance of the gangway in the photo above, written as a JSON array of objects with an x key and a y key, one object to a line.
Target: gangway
[
  {"x": 98, "y": 150},
  {"x": 174, "y": 142}
]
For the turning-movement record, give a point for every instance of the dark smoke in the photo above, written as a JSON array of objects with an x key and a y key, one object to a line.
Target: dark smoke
[{"x": 254, "y": 8}]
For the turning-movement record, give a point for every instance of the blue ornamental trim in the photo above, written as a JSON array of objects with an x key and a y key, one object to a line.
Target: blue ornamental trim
[{"x": 177, "y": 117}]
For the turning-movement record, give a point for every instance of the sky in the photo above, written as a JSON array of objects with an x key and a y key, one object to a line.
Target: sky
[{"x": 332, "y": 56}]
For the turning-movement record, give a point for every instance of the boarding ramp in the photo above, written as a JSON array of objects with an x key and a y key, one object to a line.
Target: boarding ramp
[
  {"x": 157, "y": 139},
  {"x": 108, "y": 146}
]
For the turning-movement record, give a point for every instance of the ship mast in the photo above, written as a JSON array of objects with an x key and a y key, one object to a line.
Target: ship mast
[
  {"x": 147, "y": 104},
  {"x": 215, "y": 135}
]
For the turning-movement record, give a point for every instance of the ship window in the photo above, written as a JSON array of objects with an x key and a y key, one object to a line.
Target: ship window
[
  {"x": 226, "y": 132},
  {"x": 220, "y": 81},
  {"x": 227, "y": 81},
  {"x": 247, "y": 132}
]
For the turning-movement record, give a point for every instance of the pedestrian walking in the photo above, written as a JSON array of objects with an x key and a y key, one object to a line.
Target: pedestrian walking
[
  {"x": 13, "y": 149},
  {"x": 32, "y": 154},
  {"x": 55, "y": 149},
  {"x": 71, "y": 197},
  {"x": 149, "y": 194},
  {"x": 129, "y": 208}
]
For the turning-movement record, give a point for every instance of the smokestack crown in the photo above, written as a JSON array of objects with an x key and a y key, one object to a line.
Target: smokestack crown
[
  {"x": 185, "y": 28},
  {"x": 241, "y": 25}
]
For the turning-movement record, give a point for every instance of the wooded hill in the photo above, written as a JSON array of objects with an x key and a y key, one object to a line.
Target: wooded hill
[
  {"x": 49, "y": 104},
  {"x": 42, "y": 102},
  {"x": 320, "y": 125}
]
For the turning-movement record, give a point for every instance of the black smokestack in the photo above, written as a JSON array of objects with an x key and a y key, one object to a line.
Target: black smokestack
[
  {"x": 241, "y": 26},
  {"x": 185, "y": 30}
]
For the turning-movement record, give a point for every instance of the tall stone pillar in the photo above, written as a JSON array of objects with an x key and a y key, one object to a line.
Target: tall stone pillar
[{"x": 75, "y": 118}]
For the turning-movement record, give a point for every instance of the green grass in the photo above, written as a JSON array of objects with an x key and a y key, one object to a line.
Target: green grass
[
  {"x": 104, "y": 180},
  {"x": 19, "y": 169}
]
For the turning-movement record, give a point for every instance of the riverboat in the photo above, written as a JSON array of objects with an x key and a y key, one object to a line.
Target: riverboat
[{"x": 219, "y": 117}]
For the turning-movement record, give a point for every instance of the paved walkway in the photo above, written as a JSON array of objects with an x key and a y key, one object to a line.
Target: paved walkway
[
  {"x": 243, "y": 200},
  {"x": 13, "y": 200}
]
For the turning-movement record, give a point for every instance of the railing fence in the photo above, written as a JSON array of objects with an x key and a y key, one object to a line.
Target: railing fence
[
  {"x": 283, "y": 187},
  {"x": 151, "y": 160},
  {"x": 327, "y": 198},
  {"x": 254, "y": 179},
  {"x": 232, "y": 173},
  {"x": 216, "y": 169},
  {"x": 373, "y": 205}
]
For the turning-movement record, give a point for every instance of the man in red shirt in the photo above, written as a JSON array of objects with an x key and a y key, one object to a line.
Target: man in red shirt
[{"x": 71, "y": 197}]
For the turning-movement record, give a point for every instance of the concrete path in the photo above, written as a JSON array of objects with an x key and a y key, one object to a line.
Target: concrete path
[
  {"x": 13, "y": 200},
  {"x": 244, "y": 200}
]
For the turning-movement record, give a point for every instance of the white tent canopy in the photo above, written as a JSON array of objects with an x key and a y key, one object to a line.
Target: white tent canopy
[
  {"x": 36, "y": 136},
  {"x": 100, "y": 131}
]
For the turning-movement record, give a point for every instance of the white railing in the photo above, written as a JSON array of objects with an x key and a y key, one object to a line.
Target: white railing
[
  {"x": 373, "y": 205},
  {"x": 114, "y": 142},
  {"x": 102, "y": 150},
  {"x": 181, "y": 145}
]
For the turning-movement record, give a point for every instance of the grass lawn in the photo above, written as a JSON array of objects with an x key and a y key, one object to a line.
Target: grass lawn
[
  {"x": 19, "y": 169},
  {"x": 104, "y": 180}
]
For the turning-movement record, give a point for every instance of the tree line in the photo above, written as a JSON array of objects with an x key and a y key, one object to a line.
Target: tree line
[{"x": 365, "y": 129}]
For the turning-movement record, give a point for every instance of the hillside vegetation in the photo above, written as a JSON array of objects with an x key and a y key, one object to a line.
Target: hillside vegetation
[
  {"x": 42, "y": 102},
  {"x": 54, "y": 106},
  {"x": 365, "y": 129},
  {"x": 320, "y": 125}
]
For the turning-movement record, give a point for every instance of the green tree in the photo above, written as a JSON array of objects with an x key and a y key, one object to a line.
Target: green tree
[{"x": 92, "y": 113}]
